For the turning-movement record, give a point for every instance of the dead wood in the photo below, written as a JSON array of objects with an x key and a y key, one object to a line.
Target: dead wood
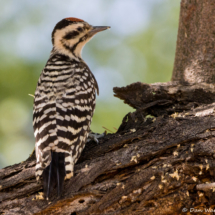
[{"x": 158, "y": 162}]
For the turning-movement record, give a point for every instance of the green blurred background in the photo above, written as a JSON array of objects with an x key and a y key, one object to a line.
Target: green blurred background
[{"x": 140, "y": 46}]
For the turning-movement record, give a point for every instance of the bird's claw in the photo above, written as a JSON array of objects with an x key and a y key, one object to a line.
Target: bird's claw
[{"x": 95, "y": 137}]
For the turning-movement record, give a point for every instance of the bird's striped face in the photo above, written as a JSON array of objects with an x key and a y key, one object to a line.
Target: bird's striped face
[{"x": 71, "y": 34}]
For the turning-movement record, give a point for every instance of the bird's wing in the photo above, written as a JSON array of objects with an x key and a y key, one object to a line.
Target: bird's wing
[{"x": 74, "y": 115}]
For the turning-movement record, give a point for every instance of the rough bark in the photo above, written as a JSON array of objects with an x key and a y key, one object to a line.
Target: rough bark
[
  {"x": 152, "y": 165},
  {"x": 195, "y": 57},
  {"x": 161, "y": 159}
]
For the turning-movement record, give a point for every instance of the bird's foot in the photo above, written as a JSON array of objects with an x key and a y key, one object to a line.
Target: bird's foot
[{"x": 95, "y": 136}]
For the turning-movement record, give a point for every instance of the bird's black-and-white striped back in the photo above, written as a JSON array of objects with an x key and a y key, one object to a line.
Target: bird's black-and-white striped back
[
  {"x": 64, "y": 103},
  {"x": 63, "y": 109}
]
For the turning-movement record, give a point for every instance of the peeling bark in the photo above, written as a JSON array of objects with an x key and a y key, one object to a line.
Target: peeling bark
[{"x": 154, "y": 164}]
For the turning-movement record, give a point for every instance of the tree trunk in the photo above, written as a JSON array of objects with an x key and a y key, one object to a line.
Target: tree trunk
[
  {"x": 161, "y": 159},
  {"x": 195, "y": 56}
]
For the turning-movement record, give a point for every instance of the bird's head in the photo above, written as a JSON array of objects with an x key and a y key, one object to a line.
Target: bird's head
[{"x": 71, "y": 34}]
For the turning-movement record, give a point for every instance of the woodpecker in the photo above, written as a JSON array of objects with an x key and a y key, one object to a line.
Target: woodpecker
[{"x": 64, "y": 104}]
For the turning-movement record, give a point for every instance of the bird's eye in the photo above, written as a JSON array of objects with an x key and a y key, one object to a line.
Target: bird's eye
[{"x": 79, "y": 29}]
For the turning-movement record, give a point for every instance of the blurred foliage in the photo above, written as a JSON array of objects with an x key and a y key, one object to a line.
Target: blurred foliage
[{"x": 140, "y": 47}]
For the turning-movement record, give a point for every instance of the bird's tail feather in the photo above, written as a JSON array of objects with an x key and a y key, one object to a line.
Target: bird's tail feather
[{"x": 54, "y": 174}]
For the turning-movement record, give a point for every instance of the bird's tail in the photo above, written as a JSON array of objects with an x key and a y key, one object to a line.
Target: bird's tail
[{"x": 54, "y": 174}]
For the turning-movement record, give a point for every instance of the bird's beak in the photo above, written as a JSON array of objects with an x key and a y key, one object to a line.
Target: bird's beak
[{"x": 97, "y": 29}]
